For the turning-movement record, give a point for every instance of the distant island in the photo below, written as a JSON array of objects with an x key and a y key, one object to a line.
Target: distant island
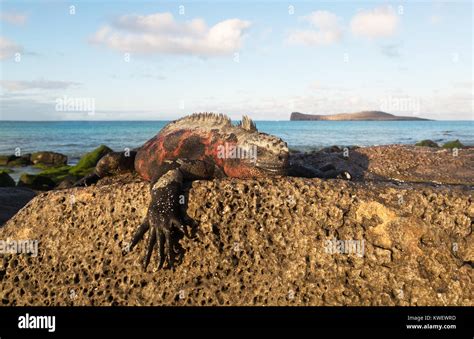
[{"x": 359, "y": 116}]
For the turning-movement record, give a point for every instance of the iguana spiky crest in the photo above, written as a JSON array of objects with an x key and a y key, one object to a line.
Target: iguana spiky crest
[
  {"x": 204, "y": 120},
  {"x": 247, "y": 124}
]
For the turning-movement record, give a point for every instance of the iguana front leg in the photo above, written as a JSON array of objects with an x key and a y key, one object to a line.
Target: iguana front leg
[{"x": 164, "y": 211}]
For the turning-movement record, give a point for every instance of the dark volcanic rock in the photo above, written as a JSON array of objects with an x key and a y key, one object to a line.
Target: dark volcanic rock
[
  {"x": 14, "y": 161},
  {"x": 4, "y": 159},
  {"x": 49, "y": 158},
  {"x": 6, "y": 180},
  {"x": 11, "y": 200},
  {"x": 68, "y": 182},
  {"x": 36, "y": 182}
]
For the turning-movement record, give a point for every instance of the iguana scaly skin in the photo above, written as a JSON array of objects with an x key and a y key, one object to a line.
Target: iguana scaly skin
[
  {"x": 203, "y": 137},
  {"x": 200, "y": 146}
]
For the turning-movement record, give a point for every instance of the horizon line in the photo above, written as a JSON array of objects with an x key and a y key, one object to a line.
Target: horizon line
[{"x": 167, "y": 120}]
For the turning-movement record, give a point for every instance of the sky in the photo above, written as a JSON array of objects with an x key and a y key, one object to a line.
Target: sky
[{"x": 159, "y": 60}]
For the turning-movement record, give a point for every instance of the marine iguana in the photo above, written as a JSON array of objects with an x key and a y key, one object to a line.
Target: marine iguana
[{"x": 200, "y": 146}]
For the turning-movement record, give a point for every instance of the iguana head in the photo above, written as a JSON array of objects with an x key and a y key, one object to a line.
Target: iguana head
[{"x": 255, "y": 154}]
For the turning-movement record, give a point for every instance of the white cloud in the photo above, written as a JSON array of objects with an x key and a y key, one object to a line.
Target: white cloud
[
  {"x": 326, "y": 29},
  {"x": 160, "y": 33},
  {"x": 163, "y": 23},
  {"x": 376, "y": 23},
  {"x": 8, "y": 48},
  {"x": 22, "y": 85},
  {"x": 13, "y": 18}
]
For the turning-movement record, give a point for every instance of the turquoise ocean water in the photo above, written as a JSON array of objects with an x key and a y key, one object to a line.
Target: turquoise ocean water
[{"x": 74, "y": 138}]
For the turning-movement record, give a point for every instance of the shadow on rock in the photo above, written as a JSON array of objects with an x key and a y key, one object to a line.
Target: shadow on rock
[
  {"x": 12, "y": 199},
  {"x": 342, "y": 159}
]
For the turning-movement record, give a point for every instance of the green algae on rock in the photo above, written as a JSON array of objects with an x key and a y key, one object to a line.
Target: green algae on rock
[
  {"x": 57, "y": 174},
  {"x": 36, "y": 182},
  {"x": 88, "y": 161},
  {"x": 52, "y": 175},
  {"x": 6, "y": 170},
  {"x": 4, "y": 159},
  {"x": 453, "y": 144},
  {"x": 427, "y": 143},
  {"x": 21, "y": 161}
]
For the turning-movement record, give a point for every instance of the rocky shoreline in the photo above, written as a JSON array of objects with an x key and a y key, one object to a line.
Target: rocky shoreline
[
  {"x": 273, "y": 241},
  {"x": 54, "y": 169},
  {"x": 54, "y": 172}
]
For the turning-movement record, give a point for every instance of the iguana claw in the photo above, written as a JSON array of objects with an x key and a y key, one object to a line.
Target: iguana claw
[{"x": 161, "y": 219}]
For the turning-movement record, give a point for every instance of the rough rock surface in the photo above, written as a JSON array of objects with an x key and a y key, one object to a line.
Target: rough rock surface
[
  {"x": 258, "y": 242},
  {"x": 400, "y": 163}
]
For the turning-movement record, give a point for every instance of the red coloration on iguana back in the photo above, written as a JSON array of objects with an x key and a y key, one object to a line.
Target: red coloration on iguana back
[{"x": 199, "y": 136}]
